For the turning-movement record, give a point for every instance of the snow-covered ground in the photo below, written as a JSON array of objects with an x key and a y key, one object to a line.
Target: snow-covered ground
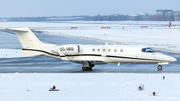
[
  {"x": 89, "y": 87},
  {"x": 160, "y": 39},
  {"x": 10, "y": 53},
  {"x": 157, "y": 34},
  {"x": 96, "y": 86}
]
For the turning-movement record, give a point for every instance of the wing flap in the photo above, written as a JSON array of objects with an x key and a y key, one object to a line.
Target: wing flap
[
  {"x": 92, "y": 61},
  {"x": 63, "y": 56}
]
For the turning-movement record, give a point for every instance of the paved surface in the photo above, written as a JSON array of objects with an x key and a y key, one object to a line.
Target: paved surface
[{"x": 42, "y": 64}]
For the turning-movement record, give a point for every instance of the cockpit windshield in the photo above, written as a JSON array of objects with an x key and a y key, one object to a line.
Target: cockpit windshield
[{"x": 148, "y": 50}]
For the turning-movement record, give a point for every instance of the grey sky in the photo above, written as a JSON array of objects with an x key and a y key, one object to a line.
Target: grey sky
[{"x": 34, "y": 8}]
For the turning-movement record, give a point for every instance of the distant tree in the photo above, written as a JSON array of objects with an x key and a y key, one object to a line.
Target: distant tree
[
  {"x": 170, "y": 18},
  {"x": 138, "y": 18}
]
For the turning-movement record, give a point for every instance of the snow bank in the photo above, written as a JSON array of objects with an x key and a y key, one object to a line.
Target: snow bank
[
  {"x": 157, "y": 35},
  {"x": 89, "y": 87},
  {"x": 10, "y": 53}
]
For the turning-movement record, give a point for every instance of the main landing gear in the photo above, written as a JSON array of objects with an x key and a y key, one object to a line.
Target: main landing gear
[
  {"x": 87, "y": 66},
  {"x": 159, "y": 67}
]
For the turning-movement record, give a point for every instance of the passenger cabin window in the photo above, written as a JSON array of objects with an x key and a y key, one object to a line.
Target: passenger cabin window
[
  {"x": 115, "y": 50},
  {"x": 109, "y": 50},
  {"x": 121, "y": 50},
  {"x": 104, "y": 50},
  {"x": 148, "y": 50},
  {"x": 98, "y": 50},
  {"x": 93, "y": 50},
  {"x": 78, "y": 48}
]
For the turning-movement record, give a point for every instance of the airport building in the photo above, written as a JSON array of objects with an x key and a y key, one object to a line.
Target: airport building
[{"x": 164, "y": 12}]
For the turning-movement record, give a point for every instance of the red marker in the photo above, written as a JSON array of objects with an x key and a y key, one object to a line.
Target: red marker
[
  {"x": 170, "y": 24},
  {"x": 74, "y": 27},
  {"x": 54, "y": 87},
  {"x": 105, "y": 27}
]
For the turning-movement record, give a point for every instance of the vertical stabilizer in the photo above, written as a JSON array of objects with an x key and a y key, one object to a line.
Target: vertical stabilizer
[
  {"x": 29, "y": 42},
  {"x": 27, "y": 38}
]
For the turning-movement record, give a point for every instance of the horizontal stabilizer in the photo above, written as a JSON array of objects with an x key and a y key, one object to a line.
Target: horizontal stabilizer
[{"x": 20, "y": 29}]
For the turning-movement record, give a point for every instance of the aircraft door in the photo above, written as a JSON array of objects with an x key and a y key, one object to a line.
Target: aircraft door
[
  {"x": 103, "y": 52},
  {"x": 154, "y": 55},
  {"x": 78, "y": 48}
]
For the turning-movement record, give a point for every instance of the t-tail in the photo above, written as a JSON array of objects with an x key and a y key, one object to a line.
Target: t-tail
[{"x": 29, "y": 41}]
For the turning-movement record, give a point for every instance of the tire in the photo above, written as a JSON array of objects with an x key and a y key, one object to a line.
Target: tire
[
  {"x": 159, "y": 67},
  {"x": 90, "y": 68},
  {"x": 84, "y": 68}
]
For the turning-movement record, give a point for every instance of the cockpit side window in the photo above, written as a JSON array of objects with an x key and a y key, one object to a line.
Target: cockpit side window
[{"x": 148, "y": 50}]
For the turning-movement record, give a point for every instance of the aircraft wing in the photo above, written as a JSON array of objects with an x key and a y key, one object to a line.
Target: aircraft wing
[{"x": 92, "y": 61}]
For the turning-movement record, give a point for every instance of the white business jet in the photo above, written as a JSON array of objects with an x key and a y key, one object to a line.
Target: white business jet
[{"x": 89, "y": 55}]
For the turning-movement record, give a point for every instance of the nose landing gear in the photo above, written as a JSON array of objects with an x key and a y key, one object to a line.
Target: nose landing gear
[
  {"x": 85, "y": 68},
  {"x": 159, "y": 67}
]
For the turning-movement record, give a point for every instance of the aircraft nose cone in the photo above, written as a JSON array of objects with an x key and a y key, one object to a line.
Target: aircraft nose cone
[
  {"x": 165, "y": 58},
  {"x": 173, "y": 59}
]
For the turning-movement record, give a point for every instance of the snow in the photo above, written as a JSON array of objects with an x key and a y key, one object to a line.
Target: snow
[
  {"x": 89, "y": 87},
  {"x": 163, "y": 39},
  {"x": 10, "y": 53},
  {"x": 158, "y": 35},
  {"x": 96, "y": 86}
]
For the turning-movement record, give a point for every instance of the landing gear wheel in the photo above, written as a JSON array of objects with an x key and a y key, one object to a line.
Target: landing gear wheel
[
  {"x": 159, "y": 67},
  {"x": 90, "y": 68},
  {"x": 85, "y": 68}
]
